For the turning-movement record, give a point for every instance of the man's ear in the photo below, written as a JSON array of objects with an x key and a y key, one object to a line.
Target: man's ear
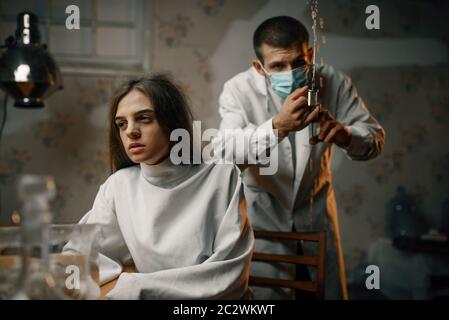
[
  {"x": 310, "y": 55},
  {"x": 258, "y": 67}
]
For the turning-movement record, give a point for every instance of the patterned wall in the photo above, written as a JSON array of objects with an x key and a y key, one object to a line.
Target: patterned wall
[
  {"x": 413, "y": 107},
  {"x": 68, "y": 138}
]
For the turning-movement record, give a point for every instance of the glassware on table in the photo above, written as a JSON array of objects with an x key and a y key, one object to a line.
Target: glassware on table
[
  {"x": 74, "y": 259},
  {"x": 402, "y": 217},
  {"x": 43, "y": 261},
  {"x": 35, "y": 279},
  {"x": 71, "y": 262},
  {"x": 10, "y": 264}
]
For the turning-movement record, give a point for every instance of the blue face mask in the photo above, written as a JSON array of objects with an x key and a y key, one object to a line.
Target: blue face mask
[{"x": 284, "y": 83}]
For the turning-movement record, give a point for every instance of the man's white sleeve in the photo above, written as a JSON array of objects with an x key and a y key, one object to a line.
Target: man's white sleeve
[
  {"x": 240, "y": 141},
  {"x": 367, "y": 136}
]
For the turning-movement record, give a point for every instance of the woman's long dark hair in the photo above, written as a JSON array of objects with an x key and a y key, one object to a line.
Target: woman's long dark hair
[{"x": 171, "y": 108}]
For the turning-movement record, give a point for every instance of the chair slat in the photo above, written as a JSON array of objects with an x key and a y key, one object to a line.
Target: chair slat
[
  {"x": 318, "y": 261},
  {"x": 302, "y": 260},
  {"x": 306, "y": 236},
  {"x": 300, "y": 285}
]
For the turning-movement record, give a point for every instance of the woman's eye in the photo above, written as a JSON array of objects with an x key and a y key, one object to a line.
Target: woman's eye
[
  {"x": 145, "y": 119},
  {"x": 121, "y": 124}
]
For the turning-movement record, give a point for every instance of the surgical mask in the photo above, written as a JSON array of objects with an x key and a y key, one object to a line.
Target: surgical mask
[{"x": 284, "y": 83}]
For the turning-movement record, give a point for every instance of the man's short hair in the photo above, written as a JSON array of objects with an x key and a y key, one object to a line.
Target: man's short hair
[{"x": 279, "y": 32}]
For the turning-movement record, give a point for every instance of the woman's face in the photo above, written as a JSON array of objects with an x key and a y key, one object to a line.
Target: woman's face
[{"x": 140, "y": 132}]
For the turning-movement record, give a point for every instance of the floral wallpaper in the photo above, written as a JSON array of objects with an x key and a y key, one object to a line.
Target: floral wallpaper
[
  {"x": 417, "y": 18},
  {"x": 415, "y": 154},
  {"x": 411, "y": 102}
]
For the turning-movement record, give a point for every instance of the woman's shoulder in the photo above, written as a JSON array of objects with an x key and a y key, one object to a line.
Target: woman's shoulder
[
  {"x": 221, "y": 172},
  {"x": 123, "y": 175},
  {"x": 229, "y": 168}
]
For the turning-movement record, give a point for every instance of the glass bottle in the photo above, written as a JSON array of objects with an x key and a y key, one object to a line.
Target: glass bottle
[
  {"x": 445, "y": 217},
  {"x": 35, "y": 279},
  {"x": 402, "y": 219}
]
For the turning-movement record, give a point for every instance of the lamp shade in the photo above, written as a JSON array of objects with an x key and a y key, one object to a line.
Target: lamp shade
[{"x": 28, "y": 73}]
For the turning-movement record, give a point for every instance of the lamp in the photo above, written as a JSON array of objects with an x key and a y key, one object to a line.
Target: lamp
[{"x": 28, "y": 73}]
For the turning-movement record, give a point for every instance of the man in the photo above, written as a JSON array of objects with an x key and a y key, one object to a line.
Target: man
[{"x": 269, "y": 102}]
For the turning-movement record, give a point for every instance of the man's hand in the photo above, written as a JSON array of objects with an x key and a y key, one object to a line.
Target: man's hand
[
  {"x": 331, "y": 131},
  {"x": 295, "y": 115}
]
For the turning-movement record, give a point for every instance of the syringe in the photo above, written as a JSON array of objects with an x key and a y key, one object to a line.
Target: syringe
[{"x": 312, "y": 99}]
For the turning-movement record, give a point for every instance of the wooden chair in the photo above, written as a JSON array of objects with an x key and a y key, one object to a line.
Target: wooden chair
[{"x": 318, "y": 261}]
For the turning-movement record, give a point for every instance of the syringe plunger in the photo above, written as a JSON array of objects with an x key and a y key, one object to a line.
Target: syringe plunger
[{"x": 312, "y": 97}]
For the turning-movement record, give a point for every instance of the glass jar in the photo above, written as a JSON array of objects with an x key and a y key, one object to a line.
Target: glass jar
[
  {"x": 74, "y": 259},
  {"x": 35, "y": 279},
  {"x": 402, "y": 218},
  {"x": 10, "y": 263}
]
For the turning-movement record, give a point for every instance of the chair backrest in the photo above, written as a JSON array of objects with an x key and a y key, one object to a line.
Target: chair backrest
[{"x": 317, "y": 261}]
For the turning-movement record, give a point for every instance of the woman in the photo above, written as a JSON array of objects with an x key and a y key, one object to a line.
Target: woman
[{"x": 180, "y": 224}]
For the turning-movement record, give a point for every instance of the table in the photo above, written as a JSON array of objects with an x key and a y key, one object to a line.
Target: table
[{"x": 406, "y": 266}]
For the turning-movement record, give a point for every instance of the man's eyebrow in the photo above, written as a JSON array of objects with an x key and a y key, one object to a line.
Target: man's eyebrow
[
  {"x": 301, "y": 56},
  {"x": 149, "y": 110},
  {"x": 275, "y": 63}
]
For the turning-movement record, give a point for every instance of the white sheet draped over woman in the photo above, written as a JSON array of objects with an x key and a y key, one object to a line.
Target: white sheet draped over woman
[{"x": 182, "y": 227}]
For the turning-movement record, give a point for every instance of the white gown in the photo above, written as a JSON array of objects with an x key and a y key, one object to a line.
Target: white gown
[{"x": 182, "y": 227}]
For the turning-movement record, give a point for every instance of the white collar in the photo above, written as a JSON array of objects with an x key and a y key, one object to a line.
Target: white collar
[{"x": 165, "y": 173}]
